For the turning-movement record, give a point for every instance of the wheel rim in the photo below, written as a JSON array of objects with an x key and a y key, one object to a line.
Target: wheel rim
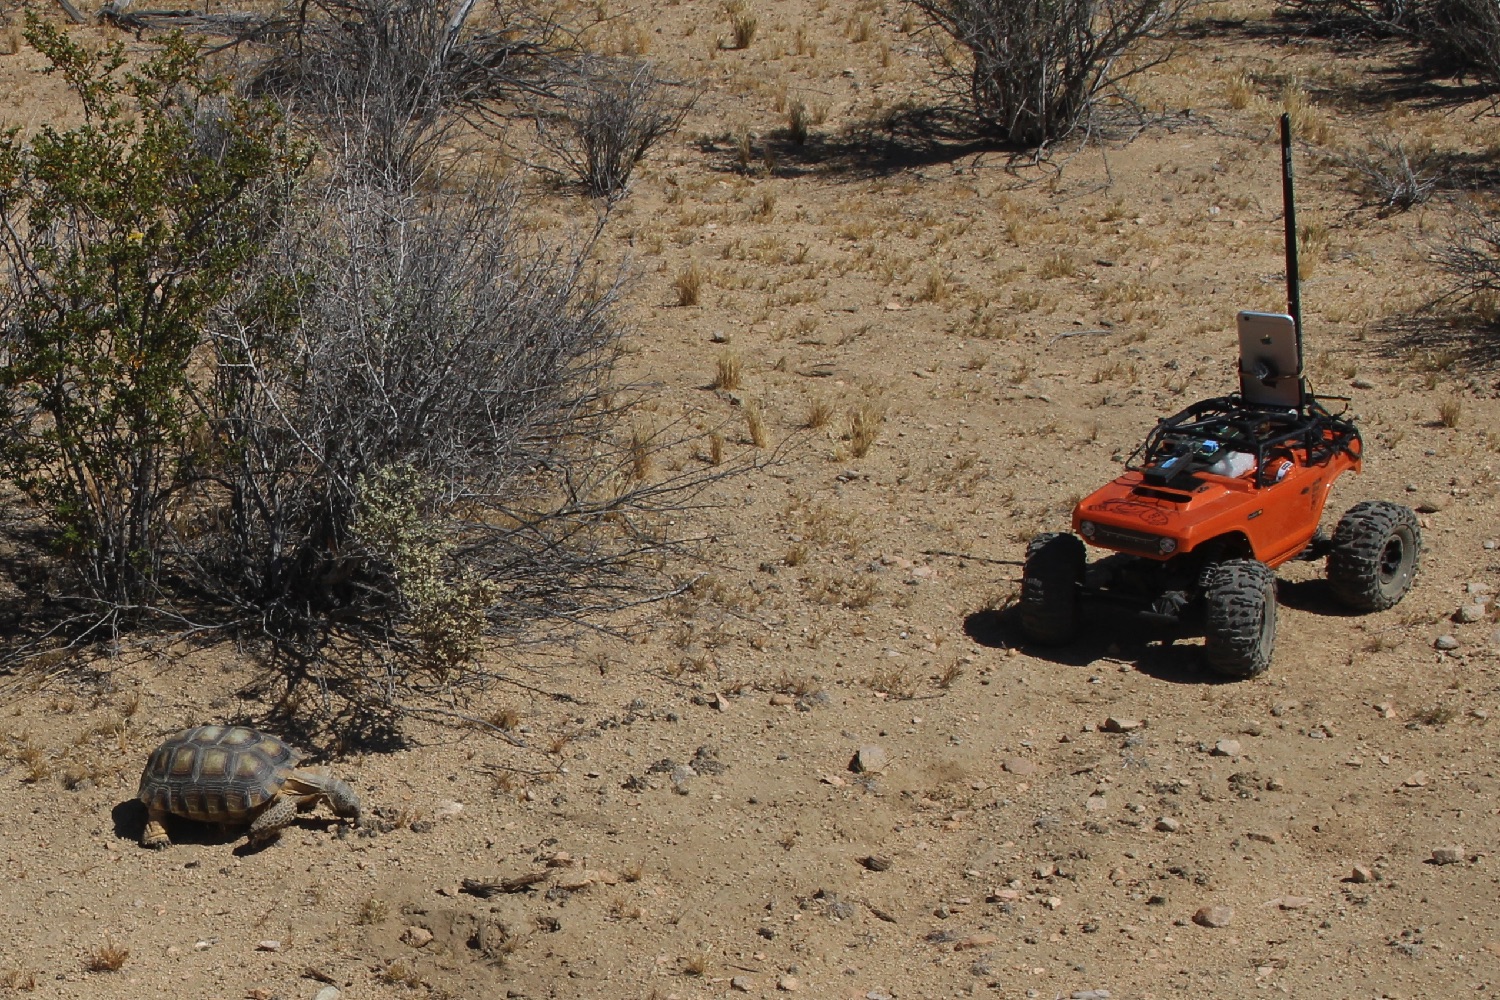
[{"x": 1392, "y": 560}]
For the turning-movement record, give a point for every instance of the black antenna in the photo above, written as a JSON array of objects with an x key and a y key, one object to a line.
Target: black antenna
[{"x": 1289, "y": 211}]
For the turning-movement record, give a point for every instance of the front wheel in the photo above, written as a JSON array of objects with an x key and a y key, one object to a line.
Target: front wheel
[
  {"x": 1049, "y": 587},
  {"x": 1376, "y": 551},
  {"x": 1239, "y": 599}
]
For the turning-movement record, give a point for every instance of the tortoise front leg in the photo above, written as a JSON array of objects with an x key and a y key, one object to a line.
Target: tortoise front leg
[
  {"x": 280, "y": 813},
  {"x": 155, "y": 834}
]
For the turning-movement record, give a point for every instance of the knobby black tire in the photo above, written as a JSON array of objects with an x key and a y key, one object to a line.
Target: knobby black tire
[
  {"x": 1049, "y": 587},
  {"x": 1377, "y": 549},
  {"x": 1239, "y": 617}
]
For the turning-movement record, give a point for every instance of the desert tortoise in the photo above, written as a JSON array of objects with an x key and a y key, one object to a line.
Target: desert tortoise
[{"x": 233, "y": 775}]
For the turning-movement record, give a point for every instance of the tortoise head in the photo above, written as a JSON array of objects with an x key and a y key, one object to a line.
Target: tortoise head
[{"x": 343, "y": 800}]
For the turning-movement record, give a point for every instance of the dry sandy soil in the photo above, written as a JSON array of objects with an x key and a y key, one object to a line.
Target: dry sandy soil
[{"x": 1006, "y": 333}]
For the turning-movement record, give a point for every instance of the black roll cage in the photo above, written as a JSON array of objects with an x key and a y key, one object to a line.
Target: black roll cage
[{"x": 1176, "y": 447}]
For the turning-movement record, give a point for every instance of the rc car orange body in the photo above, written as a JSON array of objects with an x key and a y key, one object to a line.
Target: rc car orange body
[{"x": 1269, "y": 512}]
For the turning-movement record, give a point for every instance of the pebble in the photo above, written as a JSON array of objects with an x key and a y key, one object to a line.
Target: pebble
[
  {"x": 1089, "y": 995},
  {"x": 1417, "y": 780},
  {"x": 1019, "y": 765},
  {"x": 417, "y": 937},
  {"x": 1448, "y": 855},
  {"x": 878, "y": 995},
  {"x": 1168, "y": 825},
  {"x": 788, "y": 984},
  {"x": 1114, "y": 724},
  {"x": 1227, "y": 748},
  {"x": 1491, "y": 544},
  {"x": 1293, "y": 902},
  {"x": 741, "y": 983},
  {"x": 869, "y": 759},
  {"x": 1361, "y": 874},
  {"x": 1469, "y": 613},
  {"x": 327, "y": 993},
  {"x": 448, "y": 809},
  {"x": 975, "y": 941},
  {"x": 1445, "y": 643},
  {"x": 1360, "y": 382},
  {"x": 1214, "y": 916},
  {"x": 268, "y": 945},
  {"x": 780, "y": 700}
]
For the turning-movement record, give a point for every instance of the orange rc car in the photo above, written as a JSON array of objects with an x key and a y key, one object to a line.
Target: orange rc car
[{"x": 1220, "y": 495}]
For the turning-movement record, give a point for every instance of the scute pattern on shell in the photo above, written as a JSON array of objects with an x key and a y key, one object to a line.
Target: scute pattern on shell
[{"x": 217, "y": 774}]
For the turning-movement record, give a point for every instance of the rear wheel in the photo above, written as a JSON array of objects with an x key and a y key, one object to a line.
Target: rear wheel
[
  {"x": 1376, "y": 551},
  {"x": 1239, "y": 617},
  {"x": 1049, "y": 587}
]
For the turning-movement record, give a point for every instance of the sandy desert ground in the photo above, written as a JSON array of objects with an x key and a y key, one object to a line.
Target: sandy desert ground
[{"x": 994, "y": 336}]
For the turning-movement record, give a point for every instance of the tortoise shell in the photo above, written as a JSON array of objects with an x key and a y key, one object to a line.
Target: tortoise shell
[{"x": 217, "y": 774}]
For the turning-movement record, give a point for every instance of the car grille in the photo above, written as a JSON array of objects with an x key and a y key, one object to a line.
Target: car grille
[{"x": 1126, "y": 540}]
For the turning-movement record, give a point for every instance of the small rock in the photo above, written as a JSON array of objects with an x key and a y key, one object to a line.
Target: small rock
[
  {"x": 202, "y": 945},
  {"x": 878, "y": 995},
  {"x": 1113, "y": 724},
  {"x": 1089, "y": 995},
  {"x": 1360, "y": 382},
  {"x": 1168, "y": 825},
  {"x": 268, "y": 945},
  {"x": 448, "y": 809},
  {"x": 741, "y": 983},
  {"x": 1417, "y": 780},
  {"x": 1262, "y": 838},
  {"x": 327, "y": 993},
  {"x": 1430, "y": 505},
  {"x": 1019, "y": 765},
  {"x": 869, "y": 759},
  {"x": 416, "y": 937},
  {"x": 1293, "y": 902},
  {"x": 788, "y": 984},
  {"x": 780, "y": 700},
  {"x": 1362, "y": 875},
  {"x": 1227, "y": 748},
  {"x": 975, "y": 941},
  {"x": 1491, "y": 544},
  {"x": 876, "y": 862},
  {"x": 1214, "y": 916},
  {"x": 1469, "y": 613},
  {"x": 1445, "y": 643},
  {"x": 1448, "y": 855},
  {"x": 719, "y": 702}
]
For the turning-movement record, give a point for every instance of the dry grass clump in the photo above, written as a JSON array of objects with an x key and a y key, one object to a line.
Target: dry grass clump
[
  {"x": 797, "y": 125},
  {"x": 108, "y": 957},
  {"x": 639, "y": 450},
  {"x": 1308, "y": 122},
  {"x": 689, "y": 285},
  {"x": 742, "y": 25},
  {"x": 864, "y": 427},
  {"x": 817, "y": 416},
  {"x": 755, "y": 425},
  {"x": 1239, "y": 91},
  {"x": 1451, "y": 412},
  {"x": 729, "y": 372},
  {"x": 934, "y": 288}
]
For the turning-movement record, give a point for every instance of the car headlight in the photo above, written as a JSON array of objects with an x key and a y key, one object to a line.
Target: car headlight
[
  {"x": 1166, "y": 546},
  {"x": 1086, "y": 529}
]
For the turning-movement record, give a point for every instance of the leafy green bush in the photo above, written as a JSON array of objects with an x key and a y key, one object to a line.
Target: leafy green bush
[{"x": 119, "y": 237}]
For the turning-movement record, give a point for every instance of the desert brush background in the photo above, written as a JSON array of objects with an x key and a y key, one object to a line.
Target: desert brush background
[{"x": 930, "y": 348}]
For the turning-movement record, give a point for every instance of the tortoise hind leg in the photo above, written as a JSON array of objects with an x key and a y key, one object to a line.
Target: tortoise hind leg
[
  {"x": 155, "y": 834},
  {"x": 278, "y": 814}
]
